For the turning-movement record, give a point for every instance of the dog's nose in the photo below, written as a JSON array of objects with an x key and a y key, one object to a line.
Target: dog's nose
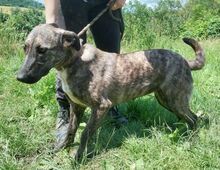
[
  {"x": 25, "y": 79},
  {"x": 21, "y": 77}
]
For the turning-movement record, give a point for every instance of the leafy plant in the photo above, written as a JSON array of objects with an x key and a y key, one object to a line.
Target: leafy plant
[
  {"x": 21, "y": 22},
  {"x": 138, "y": 26},
  {"x": 22, "y": 3},
  {"x": 3, "y": 17}
]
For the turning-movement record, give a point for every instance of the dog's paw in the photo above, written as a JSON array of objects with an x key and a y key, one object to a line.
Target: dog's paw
[
  {"x": 203, "y": 120},
  {"x": 74, "y": 153}
]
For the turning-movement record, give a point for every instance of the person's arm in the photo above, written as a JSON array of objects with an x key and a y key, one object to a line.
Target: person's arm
[
  {"x": 118, "y": 4},
  {"x": 53, "y": 12},
  {"x": 51, "y": 8}
]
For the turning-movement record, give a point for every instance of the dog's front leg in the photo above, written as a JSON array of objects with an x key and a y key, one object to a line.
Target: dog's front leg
[
  {"x": 95, "y": 119},
  {"x": 76, "y": 114}
]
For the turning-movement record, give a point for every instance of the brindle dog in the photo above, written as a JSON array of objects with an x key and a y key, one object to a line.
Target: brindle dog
[{"x": 97, "y": 79}]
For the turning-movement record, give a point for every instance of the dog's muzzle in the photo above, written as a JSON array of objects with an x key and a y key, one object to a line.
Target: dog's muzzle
[{"x": 24, "y": 78}]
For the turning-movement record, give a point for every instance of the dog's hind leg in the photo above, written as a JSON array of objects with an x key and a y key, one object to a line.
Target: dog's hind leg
[
  {"x": 162, "y": 100},
  {"x": 178, "y": 103},
  {"x": 185, "y": 113}
]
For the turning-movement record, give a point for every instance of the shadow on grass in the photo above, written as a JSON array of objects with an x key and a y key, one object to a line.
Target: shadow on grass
[{"x": 144, "y": 116}]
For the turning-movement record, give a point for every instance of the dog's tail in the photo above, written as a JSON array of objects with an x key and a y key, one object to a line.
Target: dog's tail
[{"x": 199, "y": 62}]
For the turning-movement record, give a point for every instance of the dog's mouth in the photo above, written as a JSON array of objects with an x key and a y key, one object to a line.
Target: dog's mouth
[{"x": 27, "y": 79}]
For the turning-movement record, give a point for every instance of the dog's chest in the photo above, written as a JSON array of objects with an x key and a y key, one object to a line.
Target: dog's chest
[{"x": 66, "y": 88}]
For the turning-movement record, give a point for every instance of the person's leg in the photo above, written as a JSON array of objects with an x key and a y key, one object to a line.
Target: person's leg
[
  {"x": 107, "y": 34},
  {"x": 74, "y": 14}
]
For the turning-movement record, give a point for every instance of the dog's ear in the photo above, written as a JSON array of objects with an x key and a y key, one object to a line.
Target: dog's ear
[{"x": 70, "y": 39}]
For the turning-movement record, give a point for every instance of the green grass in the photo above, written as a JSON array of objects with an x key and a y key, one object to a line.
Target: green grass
[{"x": 28, "y": 115}]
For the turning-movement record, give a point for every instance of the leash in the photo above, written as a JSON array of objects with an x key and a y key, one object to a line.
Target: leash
[{"x": 108, "y": 7}]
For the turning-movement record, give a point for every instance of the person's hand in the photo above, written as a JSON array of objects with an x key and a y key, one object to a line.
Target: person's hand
[{"x": 118, "y": 4}]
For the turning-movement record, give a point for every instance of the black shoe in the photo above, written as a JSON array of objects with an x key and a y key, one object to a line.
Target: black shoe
[
  {"x": 62, "y": 129},
  {"x": 119, "y": 118}
]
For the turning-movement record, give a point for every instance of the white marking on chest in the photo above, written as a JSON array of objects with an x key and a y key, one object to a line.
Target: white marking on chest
[{"x": 67, "y": 90}]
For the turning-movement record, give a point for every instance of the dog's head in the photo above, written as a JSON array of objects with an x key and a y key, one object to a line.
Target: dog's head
[{"x": 46, "y": 46}]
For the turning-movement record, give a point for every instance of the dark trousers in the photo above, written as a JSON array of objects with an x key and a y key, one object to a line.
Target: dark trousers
[{"x": 106, "y": 31}]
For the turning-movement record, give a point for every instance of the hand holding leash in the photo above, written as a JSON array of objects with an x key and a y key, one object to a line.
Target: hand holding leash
[
  {"x": 109, "y": 6},
  {"x": 116, "y": 4}
]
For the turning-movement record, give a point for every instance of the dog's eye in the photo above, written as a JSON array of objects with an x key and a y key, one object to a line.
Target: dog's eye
[
  {"x": 41, "y": 50},
  {"x": 25, "y": 47}
]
